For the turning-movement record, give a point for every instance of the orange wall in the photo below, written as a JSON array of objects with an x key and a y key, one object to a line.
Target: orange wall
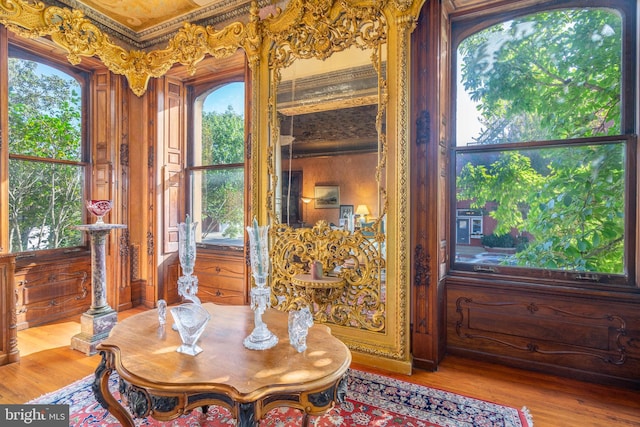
[{"x": 353, "y": 173}]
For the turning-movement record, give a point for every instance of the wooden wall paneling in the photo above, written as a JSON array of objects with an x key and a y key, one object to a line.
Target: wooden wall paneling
[
  {"x": 107, "y": 114},
  {"x": 171, "y": 273},
  {"x": 440, "y": 151},
  {"x": 101, "y": 183},
  {"x": 52, "y": 289},
  {"x": 590, "y": 337},
  {"x": 8, "y": 322},
  {"x": 171, "y": 141},
  {"x": 172, "y": 190},
  {"x": 427, "y": 291},
  {"x": 153, "y": 289},
  {"x": 174, "y": 143},
  {"x": 137, "y": 143},
  {"x": 122, "y": 267}
]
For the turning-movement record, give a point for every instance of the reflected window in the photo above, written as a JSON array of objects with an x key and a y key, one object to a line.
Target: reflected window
[
  {"x": 542, "y": 140},
  {"x": 46, "y": 157},
  {"x": 217, "y": 174}
]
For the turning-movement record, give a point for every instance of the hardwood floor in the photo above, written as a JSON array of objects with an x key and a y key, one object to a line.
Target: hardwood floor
[{"x": 47, "y": 363}]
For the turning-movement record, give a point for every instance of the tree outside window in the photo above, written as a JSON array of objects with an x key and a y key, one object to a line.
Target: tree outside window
[
  {"x": 217, "y": 174},
  {"x": 547, "y": 159},
  {"x": 46, "y": 172}
]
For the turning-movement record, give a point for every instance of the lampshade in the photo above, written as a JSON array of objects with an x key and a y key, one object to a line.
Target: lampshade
[
  {"x": 362, "y": 210},
  {"x": 305, "y": 199}
]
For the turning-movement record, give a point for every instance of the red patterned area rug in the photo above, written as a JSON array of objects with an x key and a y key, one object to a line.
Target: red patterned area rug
[{"x": 372, "y": 400}]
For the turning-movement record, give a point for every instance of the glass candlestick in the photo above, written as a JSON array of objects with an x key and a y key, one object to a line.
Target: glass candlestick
[
  {"x": 187, "y": 283},
  {"x": 162, "y": 312},
  {"x": 261, "y": 338}
]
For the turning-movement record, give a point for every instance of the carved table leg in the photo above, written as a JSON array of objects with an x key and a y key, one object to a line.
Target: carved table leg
[
  {"x": 247, "y": 415},
  {"x": 100, "y": 388},
  {"x": 341, "y": 391}
]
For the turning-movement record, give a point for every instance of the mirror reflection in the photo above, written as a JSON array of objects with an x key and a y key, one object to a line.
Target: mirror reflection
[
  {"x": 329, "y": 148},
  {"x": 329, "y": 153}
]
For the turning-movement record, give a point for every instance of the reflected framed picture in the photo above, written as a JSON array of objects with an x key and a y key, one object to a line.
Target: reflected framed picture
[
  {"x": 346, "y": 211},
  {"x": 326, "y": 197}
]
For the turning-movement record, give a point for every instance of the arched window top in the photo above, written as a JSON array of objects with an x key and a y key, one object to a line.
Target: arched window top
[
  {"x": 222, "y": 126},
  {"x": 547, "y": 75},
  {"x": 217, "y": 173}
]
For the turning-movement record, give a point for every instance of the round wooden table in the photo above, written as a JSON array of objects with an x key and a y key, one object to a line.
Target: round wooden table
[{"x": 157, "y": 381}]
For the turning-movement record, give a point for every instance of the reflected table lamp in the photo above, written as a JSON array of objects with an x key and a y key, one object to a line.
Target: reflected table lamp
[
  {"x": 362, "y": 211},
  {"x": 306, "y": 201}
]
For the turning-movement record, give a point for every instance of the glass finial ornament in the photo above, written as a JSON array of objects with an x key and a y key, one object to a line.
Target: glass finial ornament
[{"x": 162, "y": 312}]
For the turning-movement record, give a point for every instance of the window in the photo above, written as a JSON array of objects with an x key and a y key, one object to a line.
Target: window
[
  {"x": 46, "y": 167},
  {"x": 544, "y": 142},
  {"x": 216, "y": 175}
]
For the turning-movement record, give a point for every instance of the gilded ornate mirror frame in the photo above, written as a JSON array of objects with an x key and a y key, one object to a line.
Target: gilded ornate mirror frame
[{"x": 368, "y": 313}]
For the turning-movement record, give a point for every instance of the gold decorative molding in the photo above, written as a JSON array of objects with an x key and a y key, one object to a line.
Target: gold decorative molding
[
  {"x": 359, "y": 258},
  {"x": 76, "y": 34},
  {"x": 317, "y": 29}
]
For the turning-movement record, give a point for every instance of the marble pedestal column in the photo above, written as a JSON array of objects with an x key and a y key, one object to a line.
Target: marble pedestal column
[{"x": 96, "y": 323}]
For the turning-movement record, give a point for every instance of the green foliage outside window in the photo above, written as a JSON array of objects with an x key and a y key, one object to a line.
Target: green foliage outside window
[
  {"x": 222, "y": 137},
  {"x": 45, "y": 188},
  {"x": 222, "y": 188},
  {"x": 549, "y": 76}
]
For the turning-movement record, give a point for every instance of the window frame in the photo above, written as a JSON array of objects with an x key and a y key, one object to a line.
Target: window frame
[
  {"x": 463, "y": 26},
  {"x": 83, "y": 78},
  {"x": 198, "y": 92}
]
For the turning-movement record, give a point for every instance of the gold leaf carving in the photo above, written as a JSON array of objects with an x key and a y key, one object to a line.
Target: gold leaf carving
[
  {"x": 318, "y": 29},
  {"x": 357, "y": 258},
  {"x": 72, "y": 31}
]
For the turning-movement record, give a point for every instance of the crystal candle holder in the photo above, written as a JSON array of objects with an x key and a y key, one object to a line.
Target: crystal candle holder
[
  {"x": 261, "y": 338},
  {"x": 191, "y": 320},
  {"x": 187, "y": 283},
  {"x": 187, "y": 245},
  {"x": 259, "y": 252},
  {"x": 99, "y": 208}
]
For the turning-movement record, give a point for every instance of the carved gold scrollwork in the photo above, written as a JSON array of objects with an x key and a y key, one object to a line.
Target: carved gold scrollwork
[
  {"x": 72, "y": 31},
  {"x": 354, "y": 257},
  {"x": 319, "y": 29}
]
